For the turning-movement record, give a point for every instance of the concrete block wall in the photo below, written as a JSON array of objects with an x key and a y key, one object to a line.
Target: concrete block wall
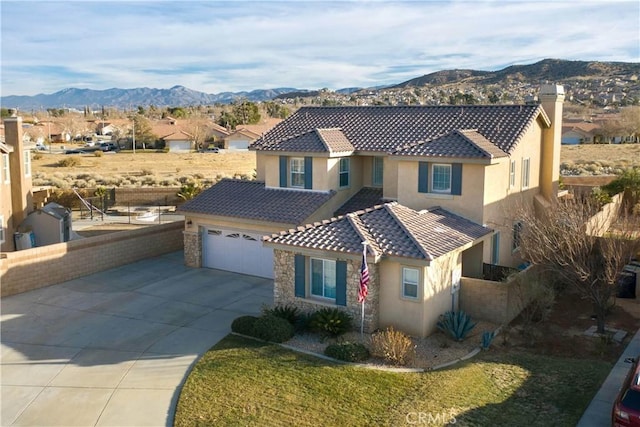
[
  {"x": 35, "y": 268},
  {"x": 484, "y": 300}
]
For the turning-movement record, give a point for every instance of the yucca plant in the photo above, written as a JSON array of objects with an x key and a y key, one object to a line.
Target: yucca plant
[
  {"x": 331, "y": 322},
  {"x": 487, "y": 338},
  {"x": 456, "y": 323}
]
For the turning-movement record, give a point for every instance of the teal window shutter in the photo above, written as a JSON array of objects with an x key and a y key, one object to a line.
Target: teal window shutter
[
  {"x": 299, "y": 276},
  {"x": 456, "y": 179},
  {"x": 423, "y": 177},
  {"x": 341, "y": 283},
  {"x": 283, "y": 171},
  {"x": 308, "y": 173}
]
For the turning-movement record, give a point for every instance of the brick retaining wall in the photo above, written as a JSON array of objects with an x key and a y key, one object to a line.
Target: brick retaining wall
[{"x": 35, "y": 268}]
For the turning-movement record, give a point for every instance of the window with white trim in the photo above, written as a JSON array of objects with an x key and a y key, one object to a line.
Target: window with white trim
[
  {"x": 526, "y": 165},
  {"x": 345, "y": 168},
  {"x": 323, "y": 278},
  {"x": 512, "y": 174},
  {"x": 296, "y": 172},
  {"x": 27, "y": 163},
  {"x": 2, "y": 228},
  {"x": 6, "y": 175},
  {"x": 441, "y": 178},
  {"x": 410, "y": 280},
  {"x": 378, "y": 175}
]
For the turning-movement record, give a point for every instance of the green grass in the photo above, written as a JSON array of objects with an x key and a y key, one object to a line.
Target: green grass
[{"x": 244, "y": 382}]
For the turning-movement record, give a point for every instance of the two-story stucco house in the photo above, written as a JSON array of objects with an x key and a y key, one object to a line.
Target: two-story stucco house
[{"x": 432, "y": 191}]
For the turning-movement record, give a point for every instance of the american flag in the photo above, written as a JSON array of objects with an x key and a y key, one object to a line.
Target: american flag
[{"x": 364, "y": 279}]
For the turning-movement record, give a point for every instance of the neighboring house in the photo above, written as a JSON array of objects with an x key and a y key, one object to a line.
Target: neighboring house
[
  {"x": 240, "y": 139},
  {"x": 179, "y": 142},
  {"x": 455, "y": 175},
  {"x": 17, "y": 196},
  {"x": 106, "y": 128}
]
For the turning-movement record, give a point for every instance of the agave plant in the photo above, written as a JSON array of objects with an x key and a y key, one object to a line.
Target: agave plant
[{"x": 457, "y": 324}]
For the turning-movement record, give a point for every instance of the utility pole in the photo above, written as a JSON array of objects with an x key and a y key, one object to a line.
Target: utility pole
[{"x": 134, "y": 135}]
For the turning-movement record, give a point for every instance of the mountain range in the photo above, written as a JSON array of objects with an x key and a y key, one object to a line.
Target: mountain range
[{"x": 553, "y": 70}]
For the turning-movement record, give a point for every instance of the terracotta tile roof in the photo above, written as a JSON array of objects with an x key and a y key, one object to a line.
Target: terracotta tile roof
[
  {"x": 457, "y": 143},
  {"x": 383, "y": 128},
  {"x": 264, "y": 126},
  {"x": 178, "y": 136},
  {"x": 390, "y": 229},
  {"x": 367, "y": 197},
  {"x": 287, "y": 206},
  {"x": 314, "y": 141}
]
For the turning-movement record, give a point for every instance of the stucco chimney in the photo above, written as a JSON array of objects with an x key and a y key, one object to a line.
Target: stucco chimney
[
  {"x": 551, "y": 97},
  {"x": 20, "y": 170}
]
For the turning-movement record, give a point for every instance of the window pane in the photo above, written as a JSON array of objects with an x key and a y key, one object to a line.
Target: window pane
[
  {"x": 410, "y": 290},
  {"x": 344, "y": 172},
  {"x": 297, "y": 172},
  {"x": 410, "y": 282},
  {"x": 329, "y": 279},
  {"x": 316, "y": 277},
  {"x": 441, "y": 178}
]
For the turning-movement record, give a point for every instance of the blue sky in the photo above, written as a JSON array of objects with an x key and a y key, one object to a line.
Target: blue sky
[{"x": 216, "y": 46}]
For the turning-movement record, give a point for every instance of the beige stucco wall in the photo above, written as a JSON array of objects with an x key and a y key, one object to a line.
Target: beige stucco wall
[
  {"x": 6, "y": 212},
  {"x": 391, "y": 181},
  {"x": 417, "y": 317},
  {"x": 468, "y": 205}
]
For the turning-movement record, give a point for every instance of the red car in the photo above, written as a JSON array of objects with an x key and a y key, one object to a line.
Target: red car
[{"x": 626, "y": 408}]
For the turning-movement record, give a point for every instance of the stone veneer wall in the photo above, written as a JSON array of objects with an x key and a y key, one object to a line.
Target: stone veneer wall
[
  {"x": 192, "y": 249},
  {"x": 42, "y": 266},
  {"x": 284, "y": 292}
]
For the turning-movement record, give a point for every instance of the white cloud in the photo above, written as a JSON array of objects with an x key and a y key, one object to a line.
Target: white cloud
[{"x": 214, "y": 46}]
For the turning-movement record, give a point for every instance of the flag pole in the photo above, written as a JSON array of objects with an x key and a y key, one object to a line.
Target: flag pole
[{"x": 364, "y": 259}]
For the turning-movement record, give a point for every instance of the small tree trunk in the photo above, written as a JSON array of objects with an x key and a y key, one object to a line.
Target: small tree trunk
[{"x": 601, "y": 313}]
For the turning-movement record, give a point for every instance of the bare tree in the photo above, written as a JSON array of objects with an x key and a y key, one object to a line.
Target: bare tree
[
  {"x": 200, "y": 130},
  {"x": 585, "y": 253}
]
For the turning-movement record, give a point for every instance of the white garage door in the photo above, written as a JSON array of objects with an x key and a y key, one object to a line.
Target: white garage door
[
  {"x": 239, "y": 144},
  {"x": 179, "y": 146},
  {"x": 238, "y": 252}
]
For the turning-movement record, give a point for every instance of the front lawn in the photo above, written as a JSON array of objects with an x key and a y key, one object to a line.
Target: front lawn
[{"x": 244, "y": 382}]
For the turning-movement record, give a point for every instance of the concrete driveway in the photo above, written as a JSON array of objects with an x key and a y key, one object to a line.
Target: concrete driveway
[{"x": 113, "y": 348}]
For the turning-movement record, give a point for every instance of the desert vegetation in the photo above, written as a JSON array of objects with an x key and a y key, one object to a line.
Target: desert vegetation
[
  {"x": 143, "y": 169},
  {"x": 598, "y": 159}
]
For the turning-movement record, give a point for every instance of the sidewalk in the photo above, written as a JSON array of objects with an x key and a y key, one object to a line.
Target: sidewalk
[{"x": 598, "y": 413}]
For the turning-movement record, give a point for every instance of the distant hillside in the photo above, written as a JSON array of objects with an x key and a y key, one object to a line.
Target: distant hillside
[
  {"x": 553, "y": 70},
  {"x": 127, "y": 98}
]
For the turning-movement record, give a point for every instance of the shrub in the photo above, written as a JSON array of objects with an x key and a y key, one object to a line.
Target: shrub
[
  {"x": 36, "y": 156},
  {"x": 97, "y": 153},
  {"x": 68, "y": 162},
  {"x": 393, "y": 346},
  {"x": 272, "y": 328},
  {"x": 456, "y": 323},
  {"x": 330, "y": 322},
  {"x": 244, "y": 325},
  {"x": 487, "y": 337},
  {"x": 286, "y": 312},
  {"x": 347, "y": 351}
]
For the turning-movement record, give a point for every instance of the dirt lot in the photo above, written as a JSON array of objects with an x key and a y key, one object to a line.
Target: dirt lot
[
  {"x": 562, "y": 333},
  {"x": 148, "y": 168},
  {"x": 599, "y": 159}
]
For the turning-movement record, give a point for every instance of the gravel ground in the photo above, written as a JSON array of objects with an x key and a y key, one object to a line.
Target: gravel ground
[{"x": 431, "y": 351}]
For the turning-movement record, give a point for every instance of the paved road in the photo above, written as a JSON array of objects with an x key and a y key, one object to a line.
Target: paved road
[{"x": 113, "y": 348}]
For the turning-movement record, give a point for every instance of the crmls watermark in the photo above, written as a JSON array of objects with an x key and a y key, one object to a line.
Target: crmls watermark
[{"x": 426, "y": 418}]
